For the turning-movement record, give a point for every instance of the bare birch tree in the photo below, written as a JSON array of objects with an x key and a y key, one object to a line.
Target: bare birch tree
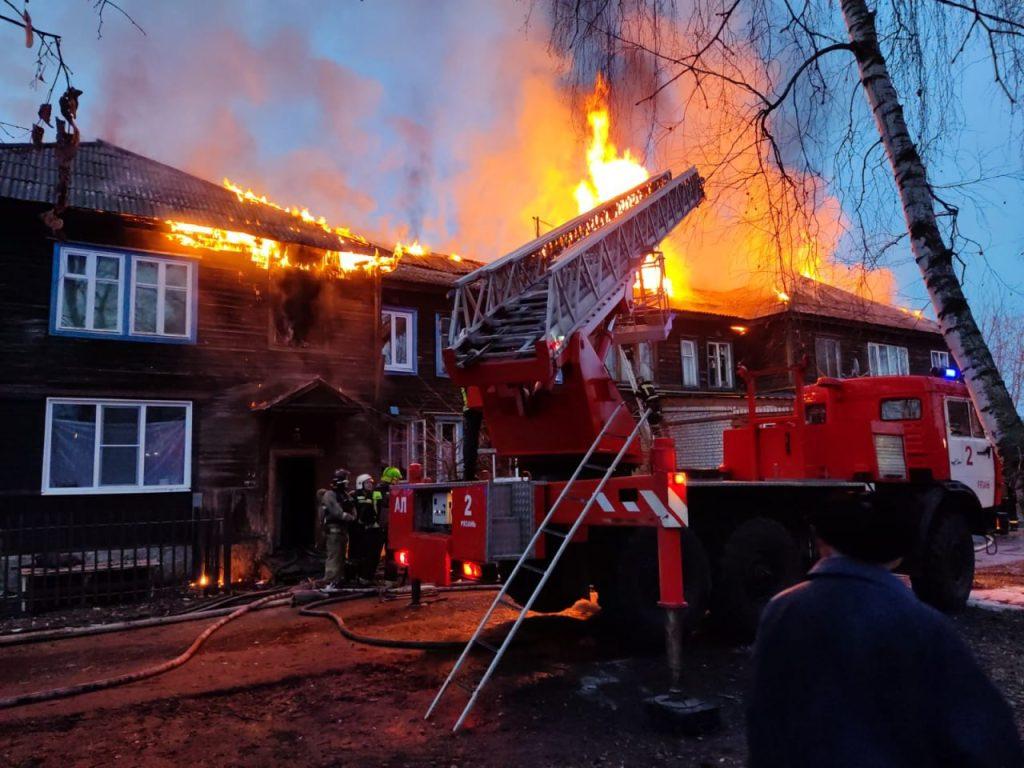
[{"x": 808, "y": 51}]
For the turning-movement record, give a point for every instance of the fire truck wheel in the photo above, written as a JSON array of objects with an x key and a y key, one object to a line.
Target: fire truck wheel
[
  {"x": 759, "y": 560},
  {"x": 945, "y": 572},
  {"x": 630, "y": 597}
]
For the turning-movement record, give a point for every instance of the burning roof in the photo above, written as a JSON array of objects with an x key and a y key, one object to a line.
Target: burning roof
[
  {"x": 107, "y": 178},
  {"x": 201, "y": 214},
  {"x": 804, "y": 296}
]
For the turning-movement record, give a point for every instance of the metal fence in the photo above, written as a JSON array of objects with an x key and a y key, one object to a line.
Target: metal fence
[{"x": 68, "y": 559}]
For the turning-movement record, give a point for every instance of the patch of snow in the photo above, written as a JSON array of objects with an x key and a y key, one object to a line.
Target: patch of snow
[{"x": 998, "y": 599}]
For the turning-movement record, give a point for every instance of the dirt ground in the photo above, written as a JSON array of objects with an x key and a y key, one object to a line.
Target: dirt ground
[{"x": 275, "y": 687}]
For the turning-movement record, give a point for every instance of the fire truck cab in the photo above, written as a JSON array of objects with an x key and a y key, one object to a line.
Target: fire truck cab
[{"x": 886, "y": 429}]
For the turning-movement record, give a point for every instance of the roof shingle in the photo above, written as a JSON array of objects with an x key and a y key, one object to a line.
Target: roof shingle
[{"x": 108, "y": 178}]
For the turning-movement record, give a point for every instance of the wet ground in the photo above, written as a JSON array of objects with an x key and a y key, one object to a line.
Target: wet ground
[{"x": 274, "y": 687}]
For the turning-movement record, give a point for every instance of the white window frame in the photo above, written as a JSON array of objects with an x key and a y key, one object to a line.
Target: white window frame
[
  {"x": 719, "y": 375},
  {"x": 161, "y": 295},
  {"x": 90, "y": 279},
  {"x": 185, "y": 485},
  {"x": 940, "y": 358},
  {"x": 410, "y": 339},
  {"x": 897, "y": 359},
  {"x": 440, "y": 340},
  {"x": 692, "y": 381},
  {"x": 456, "y": 423},
  {"x": 836, "y": 359},
  {"x": 415, "y": 434}
]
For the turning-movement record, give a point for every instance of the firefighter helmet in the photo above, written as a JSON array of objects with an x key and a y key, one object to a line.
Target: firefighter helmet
[{"x": 362, "y": 479}]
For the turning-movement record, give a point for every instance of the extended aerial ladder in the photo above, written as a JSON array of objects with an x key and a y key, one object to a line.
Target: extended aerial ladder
[{"x": 530, "y": 332}]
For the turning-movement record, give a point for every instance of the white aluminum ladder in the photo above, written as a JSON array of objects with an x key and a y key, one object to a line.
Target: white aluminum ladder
[{"x": 544, "y": 572}]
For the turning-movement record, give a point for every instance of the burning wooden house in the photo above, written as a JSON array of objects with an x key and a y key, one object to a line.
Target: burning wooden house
[{"x": 185, "y": 363}]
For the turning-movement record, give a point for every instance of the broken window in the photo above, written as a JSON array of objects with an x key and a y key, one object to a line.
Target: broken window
[{"x": 112, "y": 446}]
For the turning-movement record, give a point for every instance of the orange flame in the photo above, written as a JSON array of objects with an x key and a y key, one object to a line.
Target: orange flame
[
  {"x": 248, "y": 196},
  {"x": 610, "y": 173},
  {"x": 267, "y": 253},
  {"x": 413, "y": 249}
]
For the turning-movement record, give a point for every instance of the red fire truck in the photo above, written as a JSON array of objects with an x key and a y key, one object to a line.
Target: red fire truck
[{"x": 600, "y": 503}]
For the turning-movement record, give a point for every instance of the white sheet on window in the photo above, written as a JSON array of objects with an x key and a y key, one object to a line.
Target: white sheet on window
[
  {"x": 165, "y": 447},
  {"x": 72, "y": 449}
]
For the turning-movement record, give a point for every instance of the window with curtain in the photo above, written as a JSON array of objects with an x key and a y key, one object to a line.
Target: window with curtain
[
  {"x": 888, "y": 360},
  {"x": 720, "y": 364},
  {"x": 116, "y": 446},
  {"x": 123, "y": 295},
  {"x": 399, "y": 334},
  {"x": 688, "y": 354},
  {"x": 827, "y": 357}
]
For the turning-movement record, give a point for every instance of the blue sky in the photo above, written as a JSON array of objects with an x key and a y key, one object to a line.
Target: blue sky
[{"x": 441, "y": 120}]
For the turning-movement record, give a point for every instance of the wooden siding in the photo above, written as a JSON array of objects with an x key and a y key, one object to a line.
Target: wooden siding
[{"x": 239, "y": 359}]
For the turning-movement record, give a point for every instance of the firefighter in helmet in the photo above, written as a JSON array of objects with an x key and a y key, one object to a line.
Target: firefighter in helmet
[
  {"x": 370, "y": 537},
  {"x": 337, "y": 513},
  {"x": 388, "y": 476}
]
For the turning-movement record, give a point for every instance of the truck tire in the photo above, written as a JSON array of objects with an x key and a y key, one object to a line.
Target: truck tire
[
  {"x": 760, "y": 559},
  {"x": 629, "y": 597},
  {"x": 945, "y": 571}
]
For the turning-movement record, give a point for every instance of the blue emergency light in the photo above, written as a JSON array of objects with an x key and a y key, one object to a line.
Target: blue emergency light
[{"x": 951, "y": 373}]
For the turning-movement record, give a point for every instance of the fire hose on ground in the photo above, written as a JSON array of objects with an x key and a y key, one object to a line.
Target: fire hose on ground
[{"x": 274, "y": 599}]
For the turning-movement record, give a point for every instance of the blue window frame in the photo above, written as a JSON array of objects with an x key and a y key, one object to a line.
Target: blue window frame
[
  {"x": 399, "y": 336},
  {"x": 123, "y": 295},
  {"x": 442, "y": 322}
]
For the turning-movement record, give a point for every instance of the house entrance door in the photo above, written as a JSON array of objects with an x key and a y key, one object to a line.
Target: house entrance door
[{"x": 296, "y": 500}]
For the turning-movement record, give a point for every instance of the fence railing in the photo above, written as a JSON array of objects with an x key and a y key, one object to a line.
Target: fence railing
[{"x": 50, "y": 561}]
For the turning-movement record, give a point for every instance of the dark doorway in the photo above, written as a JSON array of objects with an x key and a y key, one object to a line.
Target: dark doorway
[{"x": 296, "y": 483}]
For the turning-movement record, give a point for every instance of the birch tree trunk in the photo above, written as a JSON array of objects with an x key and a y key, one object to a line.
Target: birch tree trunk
[{"x": 933, "y": 256}]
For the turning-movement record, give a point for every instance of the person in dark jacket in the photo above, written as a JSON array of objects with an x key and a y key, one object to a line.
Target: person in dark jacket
[
  {"x": 369, "y": 538},
  {"x": 337, "y": 513},
  {"x": 851, "y": 670}
]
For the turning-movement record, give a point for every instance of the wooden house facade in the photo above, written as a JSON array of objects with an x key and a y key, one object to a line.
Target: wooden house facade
[
  {"x": 836, "y": 333},
  {"x": 149, "y": 382}
]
